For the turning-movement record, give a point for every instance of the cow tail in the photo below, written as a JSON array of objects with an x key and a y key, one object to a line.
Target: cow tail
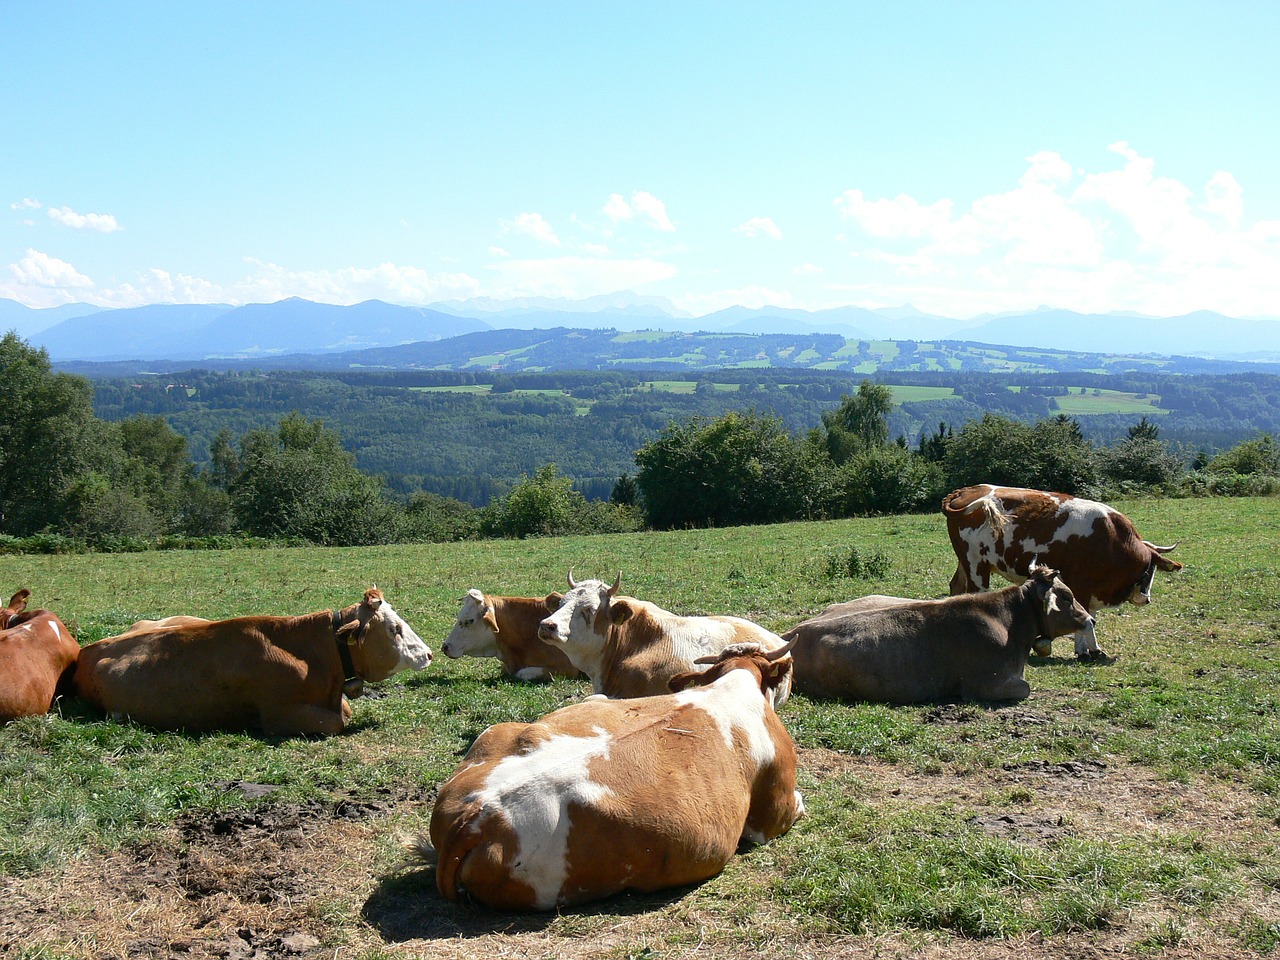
[
  {"x": 455, "y": 847},
  {"x": 996, "y": 518}
]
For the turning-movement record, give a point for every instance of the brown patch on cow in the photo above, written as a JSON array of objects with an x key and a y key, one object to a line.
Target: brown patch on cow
[{"x": 315, "y": 880}]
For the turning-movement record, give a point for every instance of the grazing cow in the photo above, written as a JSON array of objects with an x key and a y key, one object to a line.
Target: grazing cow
[
  {"x": 611, "y": 795},
  {"x": 1095, "y": 548},
  {"x": 631, "y": 648},
  {"x": 507, "y": 628},
  {"x": 285, "y": 676},
  {"x": 969, "y": 647},
  {"x": 37, "y": 657}
]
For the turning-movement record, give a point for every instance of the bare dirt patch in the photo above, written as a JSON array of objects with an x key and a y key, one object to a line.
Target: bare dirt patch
[{"x": 313, "y": 880}]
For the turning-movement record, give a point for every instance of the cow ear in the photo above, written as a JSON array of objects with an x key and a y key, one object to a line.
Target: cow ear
[
  {"x": 373, "y": 598},
  {"x": 620, "y": 611},
  {"x": 778, "y": 671},
  {"x": 553, "y": 601},
  {"x": 18, "y": 602},
  {"x": 682, "y": 680},
  {"x": 490, "y": 619}
]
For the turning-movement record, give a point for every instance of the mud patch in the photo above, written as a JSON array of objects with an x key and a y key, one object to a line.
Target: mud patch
[
  {"x": 1071, "y": 769},
  {"x": 1022, "y": 828}
]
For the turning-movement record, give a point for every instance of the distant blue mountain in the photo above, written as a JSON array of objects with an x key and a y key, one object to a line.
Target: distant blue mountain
[
  {"x": 200, "y": 331},
  {"x": 294, "y": 326},
  {"x": 28, "y": 320}
]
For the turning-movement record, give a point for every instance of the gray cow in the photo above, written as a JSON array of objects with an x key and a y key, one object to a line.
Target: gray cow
[{"x": 968, "y": 647}]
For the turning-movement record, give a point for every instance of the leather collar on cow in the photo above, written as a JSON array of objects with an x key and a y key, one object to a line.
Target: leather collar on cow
[{"x": 352, "y": 682}]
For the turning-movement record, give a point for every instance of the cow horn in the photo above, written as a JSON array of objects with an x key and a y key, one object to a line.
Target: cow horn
[
  {"x": 571, "y": 583},
  {"x": 782, "y": 651},
  {"x": 616, "y": 584},
  {"x": 1168, "y": 549}
]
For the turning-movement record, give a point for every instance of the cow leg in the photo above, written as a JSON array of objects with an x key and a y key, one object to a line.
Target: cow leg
[
  {"x": 533, "y": 673},
  {"x": 960, "y": 581},
  {"x": 1087, "y": 646},
  {"x": 300, "y": 719},
  {"x": 1011, "y": 688}
]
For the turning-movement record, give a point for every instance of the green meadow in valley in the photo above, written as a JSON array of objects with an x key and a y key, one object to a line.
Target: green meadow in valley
[{"x": 1130, "y": 805}]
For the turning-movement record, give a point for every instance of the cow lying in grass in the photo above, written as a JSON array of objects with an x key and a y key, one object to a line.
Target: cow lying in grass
[
  {"x": 631, "y": 648},
  {"x": 37, "y": 657},
  {"x": 612, "y": 795},
  {"x": 507, "y": 628},
  {"x": 968, "y": 647},
  {"x": 284, "y": 676}
]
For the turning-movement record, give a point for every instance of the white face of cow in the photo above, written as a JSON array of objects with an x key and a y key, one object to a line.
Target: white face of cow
[
  {"x": 475, "y": 633},
  {"x": 576, "y": 626},
  {"x": 390, "y": 645}
]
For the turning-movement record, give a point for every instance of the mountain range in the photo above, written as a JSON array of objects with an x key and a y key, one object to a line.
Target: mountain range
[{"x": 197, "y": 332}]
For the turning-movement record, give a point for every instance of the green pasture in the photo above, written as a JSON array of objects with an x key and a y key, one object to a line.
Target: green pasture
[
  {"x": 1135, "y": 801},
  {"x": 1082, "y": 401}
]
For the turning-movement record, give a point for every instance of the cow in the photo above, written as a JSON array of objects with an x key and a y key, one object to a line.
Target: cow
[
  {"x": 611, "y": 795},
  {"x": 283, "y": 676},
  {"x": 37, "y": 658},
  {"x": 631, "y": 648},
  {"x": 507, "y": 628},
  {"x": 967, "y": 647},
  {"x": 1095, "y": 548}
]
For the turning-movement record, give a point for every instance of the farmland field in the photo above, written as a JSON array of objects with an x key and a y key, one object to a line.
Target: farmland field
[{"x": 1127, "y": 808}]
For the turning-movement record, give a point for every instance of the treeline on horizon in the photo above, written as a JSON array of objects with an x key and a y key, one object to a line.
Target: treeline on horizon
[{"x": 109, "y": 465}]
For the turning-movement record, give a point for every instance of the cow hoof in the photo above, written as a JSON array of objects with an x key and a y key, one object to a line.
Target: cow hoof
[{"x": 1094, "y": 656}]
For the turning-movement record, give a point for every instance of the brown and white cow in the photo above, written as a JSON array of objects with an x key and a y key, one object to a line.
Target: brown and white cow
[
  {"x": 285, "y": 676},
  {"x": 612, "y": 795},
  {"x": 968, "y": 647},
  {"x": 37, "y": 657},
  {"x": 507, "y": 628},
  {"x": 632, "y": 648},
  {"x": 1094, "y": 547}
]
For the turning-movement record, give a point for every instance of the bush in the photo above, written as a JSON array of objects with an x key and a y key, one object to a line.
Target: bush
[{"x": 851, "y": 564}]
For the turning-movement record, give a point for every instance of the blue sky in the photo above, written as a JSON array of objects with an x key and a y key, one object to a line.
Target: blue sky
[{"x": 961, "y": 157}]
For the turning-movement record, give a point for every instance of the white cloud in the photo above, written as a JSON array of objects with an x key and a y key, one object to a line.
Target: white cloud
[
  {"x": 757, "y": 226},
  {"x": 387, "y": 281},
  {"x": 496, "y": 251},
  {"x": 102, "y": 222},
  {"x": 644, "y": 206},
  {"x": 807, "y": 270},
  {"x": 532, "y": 225},
  {"x": 26, "y": 203},
  {"x": 616, "y": 208},
  {"x": 1118, "y": 239},
  {"x": 1224, "y": 197},
  {"x": 38, "y": 269},
  {"x": 576, "y": 277}
]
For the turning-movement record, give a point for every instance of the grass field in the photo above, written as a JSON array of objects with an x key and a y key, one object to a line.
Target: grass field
[{"x": 1127, "y": 808}]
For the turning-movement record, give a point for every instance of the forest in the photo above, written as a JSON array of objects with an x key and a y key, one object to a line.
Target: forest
[
  {"x": 471, "y": 435},
  {"x": 378, "y": 457}
]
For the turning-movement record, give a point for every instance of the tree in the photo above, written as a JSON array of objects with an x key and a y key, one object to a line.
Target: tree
[
  {"x": 738, "y": 468},
  {"x": 1062, "y": 459},
  {"x": 297, "y": 482},
  {"x": 860, "y": 423},
  {"x": 1261, "y": 455},
  {"x": 542, "y": 505},
  {"x": 47, "y": 433},
  {"x": 1144, "y": 429},
  {"x": 994, "y": 449}
]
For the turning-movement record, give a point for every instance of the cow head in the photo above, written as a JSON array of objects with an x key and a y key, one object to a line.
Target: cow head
[
  {"x": 380, "y": 640},
  {"x": 1057, "y": 609},
  {"x": 585, "y": 615},
  {"x": 17, "y": 604},
  {"x": 770, "y": 666},
  {"x": 1140, "y": 595},
  {"x": 475, "y": 634}
]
